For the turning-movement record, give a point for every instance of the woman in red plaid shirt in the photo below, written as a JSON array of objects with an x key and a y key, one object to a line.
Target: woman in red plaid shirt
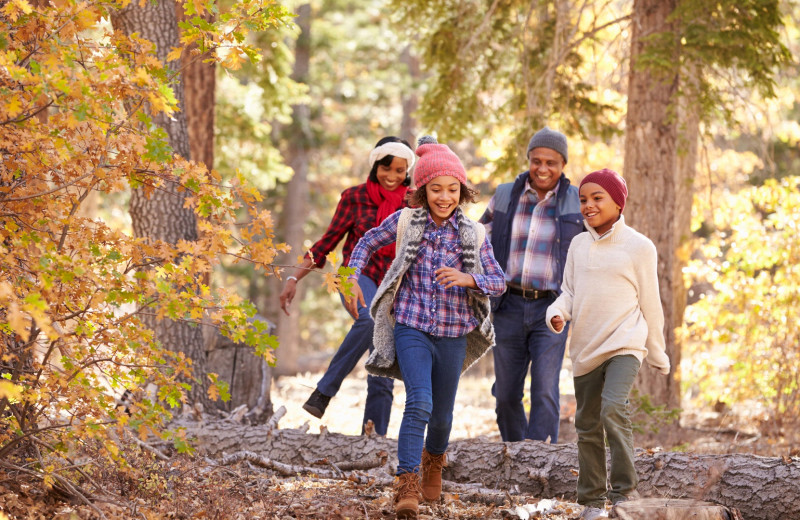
[{"x": 360, "y": 209}]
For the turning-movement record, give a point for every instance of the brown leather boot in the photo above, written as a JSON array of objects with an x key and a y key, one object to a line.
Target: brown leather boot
[
  {"x": 432, "y": 475},
  {"x": 407, "y": 495}
]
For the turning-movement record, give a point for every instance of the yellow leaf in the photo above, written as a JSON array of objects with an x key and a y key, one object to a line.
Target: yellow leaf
[
  {"x": 175, "y": 54},
  {"x": 213, "y": 392},
  {"x": 24, "y": 6},
  {"x": 142, "y": 77},
  {"x": 332, "y": 258},
  {"x": 14, "y": 107},
  {"x": 18, "y": 321},
  {"x": 10, "y": 391}
]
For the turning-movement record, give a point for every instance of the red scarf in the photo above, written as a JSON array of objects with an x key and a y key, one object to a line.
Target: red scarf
[{"x": 388, "y": 202}]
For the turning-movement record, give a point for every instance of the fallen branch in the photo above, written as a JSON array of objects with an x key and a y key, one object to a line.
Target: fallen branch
[
  {"x": 152, "y": 449},
  {"x": 376, "y": 461},
  {"x": 466, "y": 492}
]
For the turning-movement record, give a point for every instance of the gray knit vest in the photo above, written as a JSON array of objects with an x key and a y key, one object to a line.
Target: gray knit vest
[{"x": 383, "y": 361}]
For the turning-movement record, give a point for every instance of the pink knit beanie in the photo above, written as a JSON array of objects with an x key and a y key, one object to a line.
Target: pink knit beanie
[
  {"x": 612, "y": 182},
  {"x": 436, "y": 160}
]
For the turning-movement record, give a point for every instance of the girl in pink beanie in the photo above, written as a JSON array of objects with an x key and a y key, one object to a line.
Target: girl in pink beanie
[
  {"x": 610, "y": 292},
  {"x": 431, "y": 312}
]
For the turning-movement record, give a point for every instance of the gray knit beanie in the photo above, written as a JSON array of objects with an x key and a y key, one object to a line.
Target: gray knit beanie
[{"x": 546, "y": 138}]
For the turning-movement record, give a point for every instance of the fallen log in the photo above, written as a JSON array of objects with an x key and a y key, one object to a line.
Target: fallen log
[
  {"x": 673, "y": 509},
  {"x": 759, "y": 487}
]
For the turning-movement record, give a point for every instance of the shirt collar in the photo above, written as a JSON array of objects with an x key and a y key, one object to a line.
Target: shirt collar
[
  {"x": 452, "y": 220},
  {"x": 548, "y": 196},
  {"x": 619, "y": 224}
]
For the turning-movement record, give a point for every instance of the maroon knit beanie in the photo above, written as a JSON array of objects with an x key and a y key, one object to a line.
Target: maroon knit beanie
[
  {"x": 612, "y": 182},
  {"x": 436, "y": 160}
]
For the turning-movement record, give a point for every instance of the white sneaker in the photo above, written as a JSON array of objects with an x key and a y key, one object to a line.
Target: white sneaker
[{"x": 592, "y": 513}]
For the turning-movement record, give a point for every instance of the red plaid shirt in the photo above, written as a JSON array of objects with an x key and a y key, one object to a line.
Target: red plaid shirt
[{"x": 355, "y": 215}]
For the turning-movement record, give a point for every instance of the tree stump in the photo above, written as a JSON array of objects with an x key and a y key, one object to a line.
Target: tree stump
[
  {"x": 249, "y": 377},
  {"x": 673, "y": 509}
]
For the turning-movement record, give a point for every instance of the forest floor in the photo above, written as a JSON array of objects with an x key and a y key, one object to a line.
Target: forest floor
[{"x": 189, "y": 487}]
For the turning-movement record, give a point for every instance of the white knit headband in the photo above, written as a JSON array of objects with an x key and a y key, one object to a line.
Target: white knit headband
[{"x": 395, "y": 149}]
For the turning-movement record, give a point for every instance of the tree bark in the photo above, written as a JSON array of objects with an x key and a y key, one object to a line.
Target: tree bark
[
  {"x": 671, "y": 509},
  {"x": 759, "y": 487},
  {"x": 162, "y": 215},
  {"x": 299, "y": 137},
  {"x": 199, "y": 85},
  {"x": 410, "y": 101},
  {"x": 658, "y": 183}
]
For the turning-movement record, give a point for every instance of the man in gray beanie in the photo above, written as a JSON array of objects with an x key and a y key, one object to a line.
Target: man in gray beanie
[{"x": 531, "y": 222}]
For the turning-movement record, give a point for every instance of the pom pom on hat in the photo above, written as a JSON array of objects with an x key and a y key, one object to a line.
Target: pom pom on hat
[
  {"x": 436, "y": 160},
  {"x": 546, "y": 138},
  {"x": 612, "y": 182}
]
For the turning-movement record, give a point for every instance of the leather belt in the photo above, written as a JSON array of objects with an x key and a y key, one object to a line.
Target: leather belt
[{"x": 531, "y": 294}]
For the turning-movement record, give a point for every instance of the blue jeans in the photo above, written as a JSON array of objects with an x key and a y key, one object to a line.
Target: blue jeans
[
  {"x": 523, "y": 340},
  {"x": 431, "y": 367},
  {"x": 379, "y": 389}
]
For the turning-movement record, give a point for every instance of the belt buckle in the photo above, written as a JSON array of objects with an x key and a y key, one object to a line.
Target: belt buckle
[{"x": 533, "y": 294}]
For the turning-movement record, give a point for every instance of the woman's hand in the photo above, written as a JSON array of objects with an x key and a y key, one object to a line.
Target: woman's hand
[
  {"x": 351, "y": 304},
  {"x": 288, "y": 293},
  {"x": 451, "y": 277},
  {"x": 558, "y": 323}
]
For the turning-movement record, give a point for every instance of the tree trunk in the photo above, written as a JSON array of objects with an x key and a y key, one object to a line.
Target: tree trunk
[
  {"x": 249, "y": 377},
  {"x": 298, "y": 137},
  {"x": 410, "y": 100},
  {"x": 162, "y": 215},
  {"x": 759, "y": 487},
  {"x": 657, "y": 183},
  {"x": 199, "y": 85}
]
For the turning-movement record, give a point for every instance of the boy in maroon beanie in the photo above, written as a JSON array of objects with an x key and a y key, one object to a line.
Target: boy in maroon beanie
[{"x": 610, "y": 293}]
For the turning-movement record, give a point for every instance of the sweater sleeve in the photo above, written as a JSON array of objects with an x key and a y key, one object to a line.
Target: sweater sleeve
[
  {"x": 563, "y": 304},
  {"x": 650, "y": 304}
]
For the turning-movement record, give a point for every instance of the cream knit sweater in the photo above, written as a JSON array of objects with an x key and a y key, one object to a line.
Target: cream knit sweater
[{"x": 610, "y": 293}]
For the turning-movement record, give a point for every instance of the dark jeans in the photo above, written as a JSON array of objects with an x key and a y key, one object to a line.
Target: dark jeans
[
  {"x": 431, "y": 367},
  {"x": 602, "y": 399},
  {"x": 359, "y": 340},
  {"x": 524, "y": 340}
]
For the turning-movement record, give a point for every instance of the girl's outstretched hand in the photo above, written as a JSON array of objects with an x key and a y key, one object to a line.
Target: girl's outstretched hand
[
  {"x": 451, "y": 277},
  {"x": 557, "y": 322},
  {"x": 351, "y": 304}
]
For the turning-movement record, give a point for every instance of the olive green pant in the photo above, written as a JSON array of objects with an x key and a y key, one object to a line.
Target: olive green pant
[{"x": 602, "y": 413}]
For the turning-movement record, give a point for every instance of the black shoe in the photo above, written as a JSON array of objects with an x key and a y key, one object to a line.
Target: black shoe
[{"x": 316, "y": 404}]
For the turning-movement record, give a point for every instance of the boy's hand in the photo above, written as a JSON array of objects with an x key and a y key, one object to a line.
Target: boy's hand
[
  {"x": 351, "y": 304},
  {"x": 558, "y": 323},
  {"x": 451, "y": 277}
]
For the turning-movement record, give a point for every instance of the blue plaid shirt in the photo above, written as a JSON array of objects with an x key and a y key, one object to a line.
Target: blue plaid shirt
[
  {"x": 532, "y": 259},
  {"x": 421, "y": 302}
]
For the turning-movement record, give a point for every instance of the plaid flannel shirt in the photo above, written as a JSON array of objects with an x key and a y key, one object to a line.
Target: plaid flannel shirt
[
  {"x": 355, "y": 215},
  {"x": 421, "y": 302},
  {"x": 531, "y": 261}
]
